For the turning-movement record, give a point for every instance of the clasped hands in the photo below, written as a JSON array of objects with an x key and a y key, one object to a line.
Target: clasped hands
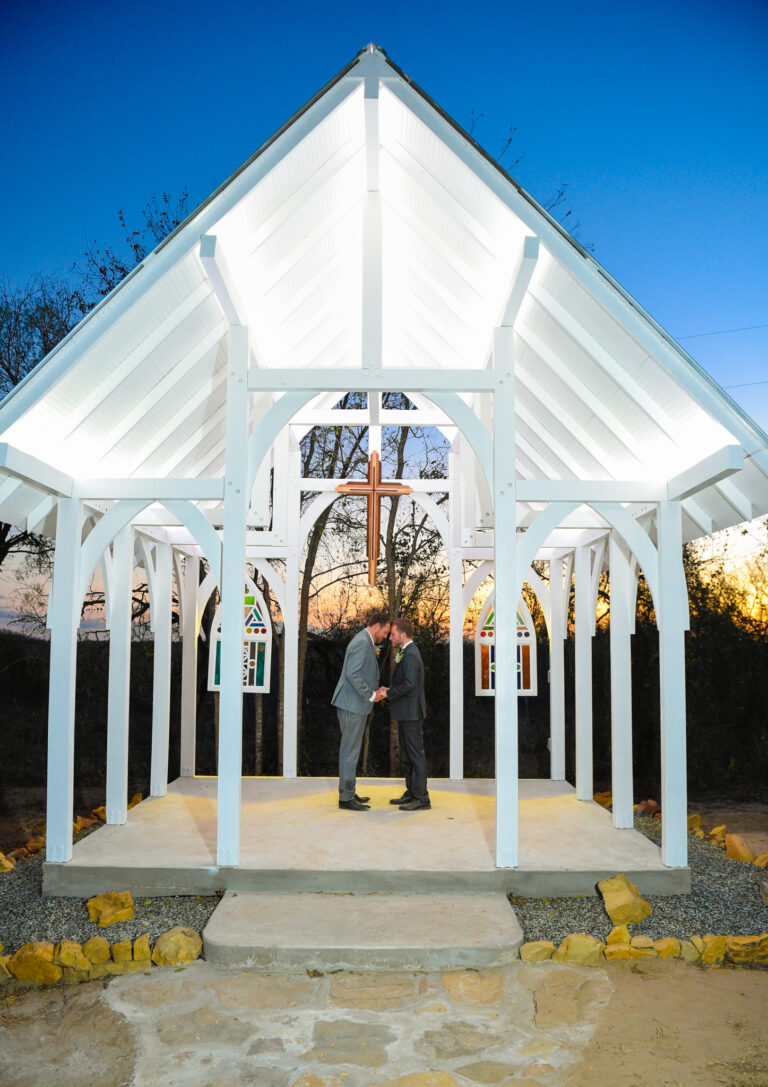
[{"x": 380, "y": 694}]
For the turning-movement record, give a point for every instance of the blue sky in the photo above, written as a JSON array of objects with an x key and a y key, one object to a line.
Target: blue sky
[{"x": 654, "y": 114}]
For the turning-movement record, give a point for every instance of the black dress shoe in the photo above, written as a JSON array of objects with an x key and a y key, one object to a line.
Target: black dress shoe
[
  {"x": 406, "y": 798},
  {"x": 362, "y": 799},
  {"x": 353, "y": 805},
  {"x": 415, "y": 805}
]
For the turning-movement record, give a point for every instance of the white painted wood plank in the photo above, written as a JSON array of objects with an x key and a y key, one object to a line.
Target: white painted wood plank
[
  {"x": 38, "y": 473},
  {"x": 621, "y": 684},
  {"x": 507, "y": 591},
  {"x": 232, "y": 585},
  {"x": 64, "y": 616},
  {"x": 674, "y": 620},
  {"x": 161, "y": 674},
  {"x": 583, "y": 668},
  {"x": 118, "y": 700},
  {"x": 357, "y": 379},
  {"x": 190, "y": 616}
]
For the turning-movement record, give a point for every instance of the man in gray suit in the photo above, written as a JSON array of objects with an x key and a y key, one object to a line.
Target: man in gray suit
[
  {"x": 409, "y": 708},
  {"x": 356, "y": 691}
]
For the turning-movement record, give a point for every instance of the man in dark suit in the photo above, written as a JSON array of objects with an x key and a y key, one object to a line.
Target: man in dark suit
[
  {"x": 356, "y": 691},
  {"x": 409, "y": 708}
]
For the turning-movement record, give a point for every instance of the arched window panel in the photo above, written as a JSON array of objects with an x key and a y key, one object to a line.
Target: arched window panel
[
  {"x": 485, "y": 650},
  {"x": 257, "y": 644}
]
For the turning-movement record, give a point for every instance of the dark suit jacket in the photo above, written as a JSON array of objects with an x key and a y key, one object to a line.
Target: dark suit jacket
[{"x": 406, "y": 695}]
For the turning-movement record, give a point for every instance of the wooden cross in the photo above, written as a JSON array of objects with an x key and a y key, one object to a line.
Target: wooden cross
[{"x": 373, "y": 489}]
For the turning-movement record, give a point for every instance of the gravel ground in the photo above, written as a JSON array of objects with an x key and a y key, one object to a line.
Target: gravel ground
[
  {"x": 724, "y": 898},
  {"x": 25, "y": 915}
]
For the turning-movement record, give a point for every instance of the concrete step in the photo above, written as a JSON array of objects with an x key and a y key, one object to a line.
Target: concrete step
[{"x": 326, "y": 931}]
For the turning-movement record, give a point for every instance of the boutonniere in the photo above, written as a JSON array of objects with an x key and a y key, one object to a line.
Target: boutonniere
[
  {"x": 399, "y": 656},
  {"x": 377, "y": 650}
]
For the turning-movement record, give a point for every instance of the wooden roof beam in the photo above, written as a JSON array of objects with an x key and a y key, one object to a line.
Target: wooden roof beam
[
  {"x": 36, "y": 472},
  {"x": 216, "y": 267},
  {"x": 712, "y": 469}
]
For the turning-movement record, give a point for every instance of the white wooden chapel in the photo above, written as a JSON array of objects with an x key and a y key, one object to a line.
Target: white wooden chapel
[{"x": 370, "y": 246}]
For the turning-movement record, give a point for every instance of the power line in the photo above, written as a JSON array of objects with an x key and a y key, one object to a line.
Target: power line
[
  {"x": 720, "y": 332},
  {"x": 745, "y": 384}
]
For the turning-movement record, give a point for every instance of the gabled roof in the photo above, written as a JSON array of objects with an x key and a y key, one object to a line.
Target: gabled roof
[{"x": 138, "y": 388}]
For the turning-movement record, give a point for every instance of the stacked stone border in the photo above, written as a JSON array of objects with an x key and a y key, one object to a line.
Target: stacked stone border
[
  {"x": 42, "y": 963},
  {"x": 581, "y": 949}
]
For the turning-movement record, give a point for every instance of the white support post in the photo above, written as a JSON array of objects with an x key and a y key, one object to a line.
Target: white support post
[
  {"x": 507, "y": 593},
  {"x": 291, "y": 621},
  {"x": 621, "y": 683},
  {"x": 674, "y": 623},
  {"x": 120, "y": 616},
  {"x": 191, "y": 619},
  {"x": 64, "y": 618},
  {"x": 583, "y": 667},
  {"x": 558, "y": 595},
  {"x": 456, "y": 614},
  {"x": 232, "y": 585},
  {"x": 161, "y": 673}
]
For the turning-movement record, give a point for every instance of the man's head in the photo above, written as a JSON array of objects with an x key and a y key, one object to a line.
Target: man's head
[
  {"x": 402, "y": 631},
  {"x": 377, "y": 625}
]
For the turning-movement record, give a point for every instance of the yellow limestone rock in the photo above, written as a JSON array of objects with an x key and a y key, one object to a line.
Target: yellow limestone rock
[
  {"x": 177, "y": 945},
  {"x": 70, "y": 954},
  {"x": 6, "y": 864},
  {"x": 110, "y": 907},
  {"x": 617, "y": 945},
  {"x": 537, "y": 951},
  {"x": 750, "y": 949},
  {"x": 4, "y": 971},
  {"x": 96, "y": 950},
  {"x": 694, "y": 821},
  {"x": 605, "y": 799},
  {"x": 717, "y": 835},
  {"x": 642, "y": 947},
  {"x": 761, "y": 861},
  {"x": 667, "y": 948},
  {"x": 135, "y": 799},
  {"x": 141, "y": 950},
  {"x": 34, "y": 963},
  {"x": 714, "y": 949},
  {"x": 579, "y": 949},
  {"x": 737, "y": 849},
  {"x": 122, "y": 951},
  {"x": 688, "y": 951},
  {"x": 622, "y": 900}
]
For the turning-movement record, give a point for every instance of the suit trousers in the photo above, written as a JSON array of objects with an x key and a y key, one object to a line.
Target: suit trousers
[
  {"x": 413, "y": 758},
  {"x": 352, "y": 727}
]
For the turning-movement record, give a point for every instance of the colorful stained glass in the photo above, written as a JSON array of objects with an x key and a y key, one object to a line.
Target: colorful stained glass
[
  {"x": 485, "y": 651},
  {"x": 257, "y": 645}
]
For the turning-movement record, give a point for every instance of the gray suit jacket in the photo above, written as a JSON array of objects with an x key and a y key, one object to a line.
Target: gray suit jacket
[
  {"x": 406, "y": 695},
  {"x": 359, "y": 676}
]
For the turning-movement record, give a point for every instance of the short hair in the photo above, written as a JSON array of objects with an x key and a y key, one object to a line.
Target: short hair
[
  {"x": 377, "y": 618},
  {"x": 405, "y": 625}
]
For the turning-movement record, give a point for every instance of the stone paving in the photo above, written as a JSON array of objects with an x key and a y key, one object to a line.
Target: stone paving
[{"x": 206, "y": 1026}]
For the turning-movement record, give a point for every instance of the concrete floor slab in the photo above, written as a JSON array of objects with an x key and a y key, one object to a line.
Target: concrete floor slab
[
  {"x": 295, "y": 838},
  {"x": 362, "y": 931}
]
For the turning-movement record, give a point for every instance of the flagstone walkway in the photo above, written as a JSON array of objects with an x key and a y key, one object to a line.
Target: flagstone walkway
[{"x": 661, "y": 1022}]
